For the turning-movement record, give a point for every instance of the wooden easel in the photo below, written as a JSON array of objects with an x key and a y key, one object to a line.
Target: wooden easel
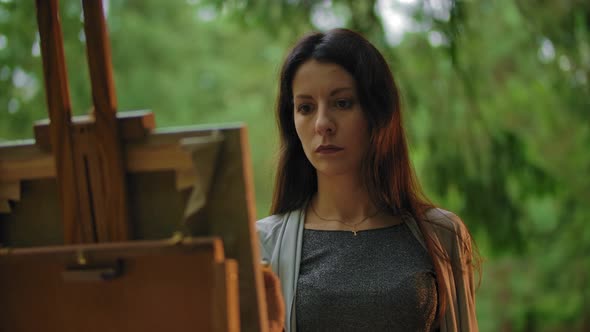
[{"x": 111, "y": 180}]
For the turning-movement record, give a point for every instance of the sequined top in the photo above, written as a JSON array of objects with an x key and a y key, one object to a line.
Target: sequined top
[{"x": 379, "y": 280}]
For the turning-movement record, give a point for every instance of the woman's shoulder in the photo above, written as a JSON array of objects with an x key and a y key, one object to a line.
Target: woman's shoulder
[
  {"x": 269, "y": 231},
  {"x": 270, "y": 227},
  {"x": 270, "y": 223},
  {"x": 444, "y": 221},
  {"x": 452, "y": 234}
]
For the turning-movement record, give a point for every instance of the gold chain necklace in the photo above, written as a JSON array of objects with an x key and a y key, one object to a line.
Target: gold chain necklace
[{"x": 353, "y": 226}]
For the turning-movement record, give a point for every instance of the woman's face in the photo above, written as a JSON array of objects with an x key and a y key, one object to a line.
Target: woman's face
[{"x": 329, "y": 120}]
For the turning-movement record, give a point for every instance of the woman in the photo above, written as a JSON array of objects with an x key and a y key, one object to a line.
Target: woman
[{"x": 353, "y": 241}]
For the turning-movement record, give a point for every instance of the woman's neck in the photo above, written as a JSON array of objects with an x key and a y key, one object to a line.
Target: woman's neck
[{"x": 343, "y": 198}]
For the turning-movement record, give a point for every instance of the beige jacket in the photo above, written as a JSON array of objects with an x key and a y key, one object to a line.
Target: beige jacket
[{"x": 281, "y": 238}]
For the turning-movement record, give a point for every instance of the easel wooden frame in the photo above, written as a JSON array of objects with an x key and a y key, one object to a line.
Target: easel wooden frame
[{"x": 93, "y": 162}]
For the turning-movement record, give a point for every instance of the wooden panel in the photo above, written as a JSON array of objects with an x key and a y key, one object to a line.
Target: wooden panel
[
  {"x": 10, "y": 190},
  {"x": 23, "y": 160},
  {"x": 159, "y": 151},
  {"x": 35, "y": 220},
  {"x": 185, "y": 179},
  {"x": 157, "y": 156},
  {"x": 155, "y": 204},
  {"x": 226, "y": 297},
  {"x": 230, "y": 212},
  {"x": 164, "y": 287},
  {"x": 133, "y": 125}
]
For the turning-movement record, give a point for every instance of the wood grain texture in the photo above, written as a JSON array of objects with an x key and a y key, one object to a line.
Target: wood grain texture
[
  {"x": 230, "y": 212},
  {"x": 133, "y": 125},
  {"x": 86, "y": 193},
  {"x": 226, "y": 297},
  {"x": 155, "y": 153},
  {"x": 106, "y": 166},
  {"x": 29, "y": 166},
  {"x": 58, "y": 103},
  {"x": 164, "y": 287}
]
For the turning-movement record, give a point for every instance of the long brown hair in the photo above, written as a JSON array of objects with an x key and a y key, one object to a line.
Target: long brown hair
[{"x": 387, "y": 171}]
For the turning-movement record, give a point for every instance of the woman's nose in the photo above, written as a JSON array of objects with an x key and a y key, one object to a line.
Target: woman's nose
[{"x": 324, "y": 123}]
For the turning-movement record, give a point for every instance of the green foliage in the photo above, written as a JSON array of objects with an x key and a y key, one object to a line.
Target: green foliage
[{"x": 496, "y": 109}]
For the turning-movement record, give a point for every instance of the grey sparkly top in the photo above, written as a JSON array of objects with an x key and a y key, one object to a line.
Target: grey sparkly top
[{"x": 379, "y": 280}]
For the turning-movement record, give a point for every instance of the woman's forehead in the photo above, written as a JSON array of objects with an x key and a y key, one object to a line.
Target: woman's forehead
[{"x": 313, "y": 76}]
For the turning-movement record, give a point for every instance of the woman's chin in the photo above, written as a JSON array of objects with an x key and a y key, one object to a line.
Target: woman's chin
[{"x": 336, "y": 170}]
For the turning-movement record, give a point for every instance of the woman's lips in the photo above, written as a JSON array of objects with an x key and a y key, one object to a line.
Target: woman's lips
[{"x": 328, "y": 149}]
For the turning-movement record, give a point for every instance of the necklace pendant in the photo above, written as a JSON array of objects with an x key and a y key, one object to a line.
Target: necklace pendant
[{"x": 354, "y": 232}]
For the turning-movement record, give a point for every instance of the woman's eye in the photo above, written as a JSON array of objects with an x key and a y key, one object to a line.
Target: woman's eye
[
  {"x": 343, "y": 103},
  {"x": 304, "y": 108}
]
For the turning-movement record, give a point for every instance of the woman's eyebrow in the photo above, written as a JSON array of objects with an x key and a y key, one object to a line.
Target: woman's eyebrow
[{"x": 303, "y": 97}]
